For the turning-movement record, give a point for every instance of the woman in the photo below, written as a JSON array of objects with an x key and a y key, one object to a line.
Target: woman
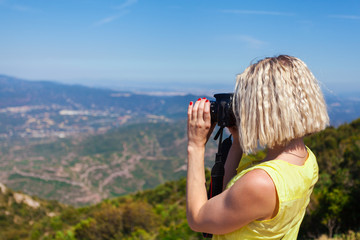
[{"x": 277, "y": 101}]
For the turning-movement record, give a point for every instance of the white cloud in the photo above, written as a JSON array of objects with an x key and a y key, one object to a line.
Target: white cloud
[
  {"x": 123, "y": 9},
  {"x": 256, "y": 12},
  {"x": 352, "y": 17},
  {"x": 126, "y": 4},
  {"x": 106, "y": 20},
  {"x": 251, "y": 41}
]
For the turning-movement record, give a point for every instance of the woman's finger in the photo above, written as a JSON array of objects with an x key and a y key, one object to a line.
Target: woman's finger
[
  {"x": 207, "y": 117},
  {"x": 195, "y": 110},
  {"x": 190, "y": 107},
  {"x": 201, "y": 109}
]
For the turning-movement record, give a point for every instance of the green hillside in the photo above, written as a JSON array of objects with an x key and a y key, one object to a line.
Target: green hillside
[
  {"x": 334, "y": 206},
  {"x": 86, "y": 169},
  {"x": 151, "y": 214},
  {"x": 19, "y": 213},
  {"x": 160, "y": 213}
]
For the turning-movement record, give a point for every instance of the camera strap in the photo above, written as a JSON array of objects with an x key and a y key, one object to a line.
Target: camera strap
[{"x": 218, "y": 170}]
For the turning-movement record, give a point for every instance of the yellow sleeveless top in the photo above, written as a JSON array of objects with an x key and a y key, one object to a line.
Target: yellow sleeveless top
[{"x": 294, "y": 185}]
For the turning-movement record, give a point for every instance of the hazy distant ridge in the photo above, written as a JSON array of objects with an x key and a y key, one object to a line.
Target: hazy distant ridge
[{"x": 18, "y": 92}]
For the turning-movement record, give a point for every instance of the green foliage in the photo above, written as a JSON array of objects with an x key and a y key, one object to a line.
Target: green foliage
[
  {"x": 117, "y": 220},
  {"x": 169, "y": 192},
  {"x": 21, "y": 221},
  {"x": 160, "y": 213},
  {"x": 152, "y": 214},
  {"x": 68, "y": 235},
  {"x": 86, "y": 229},
  {"x": 70, "y": 216},
  {"x": 334, "y": 207},
  {"x": 351, "y": 235}
]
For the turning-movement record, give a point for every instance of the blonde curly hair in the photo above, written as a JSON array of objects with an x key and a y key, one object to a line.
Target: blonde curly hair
[{"x": 276, "y": 100}]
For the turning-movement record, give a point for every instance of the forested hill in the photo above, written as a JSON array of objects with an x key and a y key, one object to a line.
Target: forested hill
[
  {"x": 335, "y": 202},
  {"x": 160, "y": 213}
]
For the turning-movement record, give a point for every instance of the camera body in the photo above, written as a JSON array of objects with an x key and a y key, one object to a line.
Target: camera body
[{"x": 221, "y": 110}]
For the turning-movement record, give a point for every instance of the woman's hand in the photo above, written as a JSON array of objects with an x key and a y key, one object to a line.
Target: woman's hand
[
  {"x": 252, "y": 197},
  {"x": 199, "y": 123},
  {"x": 198, "y": 130}
]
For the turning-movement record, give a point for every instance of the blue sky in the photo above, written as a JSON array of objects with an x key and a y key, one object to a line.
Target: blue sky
[{"x": 178, "y": 44}]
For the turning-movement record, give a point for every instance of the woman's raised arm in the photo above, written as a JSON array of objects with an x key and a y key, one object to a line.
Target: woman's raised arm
[{"x": 253, "y": 197}]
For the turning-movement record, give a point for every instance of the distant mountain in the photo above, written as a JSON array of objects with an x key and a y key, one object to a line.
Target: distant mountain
[
  {"x": 30, "y": 109},
  {"x": 343, "y": 108},
  {"x": 15, "y": 92},
  {"x": 79, "y": 145}
]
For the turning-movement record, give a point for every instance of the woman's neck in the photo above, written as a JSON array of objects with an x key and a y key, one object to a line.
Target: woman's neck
[{"x": 294, "y": 152}]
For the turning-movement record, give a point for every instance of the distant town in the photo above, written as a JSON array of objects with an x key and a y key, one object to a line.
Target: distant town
[
  {"x": 40, "y": 109},
  {"x": 41, "y": 121}
]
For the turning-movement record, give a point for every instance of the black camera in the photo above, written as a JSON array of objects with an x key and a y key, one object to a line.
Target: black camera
[{"x": 221, "y": 110}]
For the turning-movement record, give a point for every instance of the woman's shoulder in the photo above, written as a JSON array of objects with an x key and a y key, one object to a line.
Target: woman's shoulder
[{"x": 259, "y": 188}]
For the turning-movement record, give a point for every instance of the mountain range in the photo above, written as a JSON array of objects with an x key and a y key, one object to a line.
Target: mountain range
[
  {"x": 17, "y": 93},
  {"x": 80, "y": 145}
]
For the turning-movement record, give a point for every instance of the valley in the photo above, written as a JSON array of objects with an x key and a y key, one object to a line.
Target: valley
[
  {"x": 84, "y": 170},
  {"x": 80, "y": 145}
]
